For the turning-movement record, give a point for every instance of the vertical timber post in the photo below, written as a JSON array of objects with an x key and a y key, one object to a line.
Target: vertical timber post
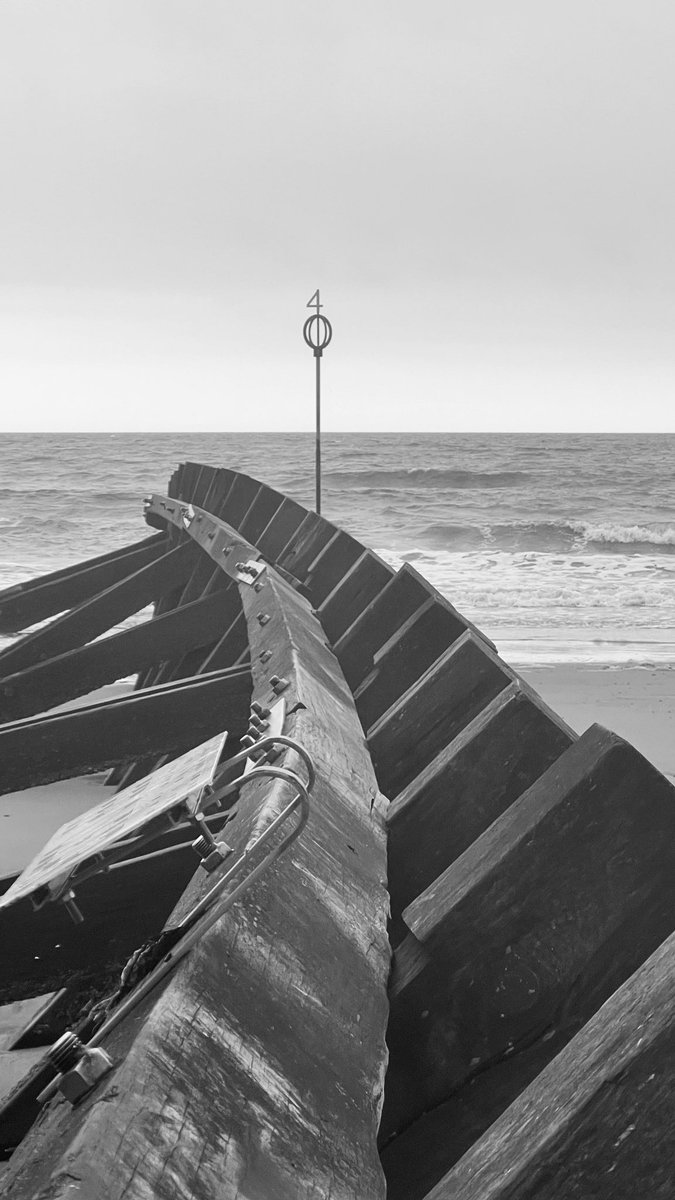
[{"x": 317, "y": 332}]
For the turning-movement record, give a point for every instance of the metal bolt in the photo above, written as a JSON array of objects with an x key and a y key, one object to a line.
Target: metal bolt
[
  {"x": 247, "y": 740},
  {"x": 263, "y": 618},
  {"x": 258, "y": 587},
  {"x": 265, "y": 656},
  {"x": 259, "y": 710},
  {"x": 278, "y": 684},
  {"x": 79, "y": 1066}
]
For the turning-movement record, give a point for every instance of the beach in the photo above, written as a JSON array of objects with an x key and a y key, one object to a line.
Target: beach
[
  {"x": 561, "y": 548},
  {"x": 636, "y": 702}
]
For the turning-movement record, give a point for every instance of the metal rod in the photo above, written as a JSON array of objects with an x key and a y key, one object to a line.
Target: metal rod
[{"x": 318, "y": 433}]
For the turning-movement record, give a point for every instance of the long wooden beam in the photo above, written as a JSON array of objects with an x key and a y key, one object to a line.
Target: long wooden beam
[
  {"x": 163, "y": 720},
  {"x": 103, "y": 612},
  {"x": 38, "y": 599},
  {"x": 259, "y": 1069},
  {"x": 78, "y": 672}
]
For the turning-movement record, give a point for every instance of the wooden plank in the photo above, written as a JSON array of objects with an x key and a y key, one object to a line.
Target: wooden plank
[
  {"x": 266, "y": 503},
  {"x": 532, "y": 929},
  {"x": 276, "y": 1020},
  {"x": 406, "y": 656},
  {"x": 285, "y": 522},
  {"x": 330, "y": 565},
  {"x": 598, "y": 1121},
  {"x": 302, "y": 548},
  {"x": 434, "y": 710},
  {"x": 38, "y": 599},
  {"x": 469, "y": 783},
  {"x": 231, "y": 645},
  {"x": 82, "y": 741},
  {"x": 80, "y": 671},
  {"x": 386, "y": 613},
  {"x": 101, "y": 613},
  {"x": 239, "y": 499},
  {"x": 361, "y": 584}
]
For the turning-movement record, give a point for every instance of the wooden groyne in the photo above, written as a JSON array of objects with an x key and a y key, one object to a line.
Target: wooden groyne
[{"x": 530, "y": 881}]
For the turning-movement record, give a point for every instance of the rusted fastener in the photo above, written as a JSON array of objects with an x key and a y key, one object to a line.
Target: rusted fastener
[
  {"x": 247, "y": 740},
  {"x": 258, "y": 587},
  {"x": 278, "y": 684},
  {"x": 265, "y": 656},
  {"x": 259, "y": 709},
  {"x": 263, "y": 618},
  {"x": 211, "y": 852},
  {"x": 79, "y": 1066}
]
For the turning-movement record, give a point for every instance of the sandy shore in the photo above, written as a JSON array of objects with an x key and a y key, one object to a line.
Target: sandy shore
[
  {"x": 636, "y": 702},
  {"x": 29, "y": 818}
]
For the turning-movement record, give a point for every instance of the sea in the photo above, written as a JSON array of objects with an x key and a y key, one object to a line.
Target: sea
[{"x": 561, "y": 547}]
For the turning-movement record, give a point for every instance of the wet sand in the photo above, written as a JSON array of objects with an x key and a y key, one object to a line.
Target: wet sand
[{"x": 636, "y": 702}]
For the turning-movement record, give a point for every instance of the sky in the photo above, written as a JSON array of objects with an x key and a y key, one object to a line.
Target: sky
[{"x": 483, "y": 191}]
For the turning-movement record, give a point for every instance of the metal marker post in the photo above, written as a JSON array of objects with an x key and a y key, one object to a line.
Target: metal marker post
[{"x": 317, "y": 332}]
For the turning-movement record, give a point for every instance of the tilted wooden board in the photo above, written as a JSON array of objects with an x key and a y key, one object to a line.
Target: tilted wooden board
[{"x": 259, "y": 1070}]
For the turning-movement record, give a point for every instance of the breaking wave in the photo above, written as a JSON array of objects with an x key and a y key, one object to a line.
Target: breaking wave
[
  {"x": 551, "y": 537},
  {"x": 426, "y": 477}
]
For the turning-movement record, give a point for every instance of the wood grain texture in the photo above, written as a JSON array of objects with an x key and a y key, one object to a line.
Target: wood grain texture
[
  {"x": 455, "y": 688},
  {"x": 357, "y": 646},
  {"x": 160, "y": 720},
  {"x": 533, "y": 927},
  {"x": 470, "y": 782},
  {"x": 38, "y": 599},
  {"x": 258, "y": 1070},
  {"x": 81, "y": 671},
  {"x": 598, "y": 1121},
  {"x": 103, "y": 611},
  {"x": 354, "y": 591}
]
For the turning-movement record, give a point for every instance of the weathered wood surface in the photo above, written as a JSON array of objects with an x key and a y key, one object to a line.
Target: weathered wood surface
[
  {"x": 80, "y": 671},
  {"x": 258, "y": 1070},
  {"x": 305, "y": 544},
  {"x": 532, "y": 928},
  {"x": 471, "y": 781},
  {"x": 286, "y": 520},
  {"x": 455, "y": 688},
  {"x": 166, "y": 719},
  {"x": 407, "y": 654},
  {"x": 354, "y": 591},
  {"x": 330, "y": 565},
  {"x": 380, "y": 619},
  {"x": 102, "y": 612},
  {"x": 36, "y": 600},
  {"x": 598, "y": 1121},
  {"x": 267, "y": 502}
]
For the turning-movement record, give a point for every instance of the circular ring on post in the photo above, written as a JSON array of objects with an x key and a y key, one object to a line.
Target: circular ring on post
[{"x": 317, "y": 332}]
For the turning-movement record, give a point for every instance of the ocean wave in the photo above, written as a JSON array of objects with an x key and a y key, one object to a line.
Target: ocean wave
[
  {"x": 552, "y": 537},
  {"x": 426, "y": 477}
]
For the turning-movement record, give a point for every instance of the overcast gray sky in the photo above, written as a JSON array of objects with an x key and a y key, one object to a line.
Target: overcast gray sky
[{"x": 484, "y": 190}]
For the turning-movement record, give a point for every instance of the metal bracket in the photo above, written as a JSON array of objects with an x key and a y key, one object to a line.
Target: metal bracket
[{"x": 223, "y": 895}]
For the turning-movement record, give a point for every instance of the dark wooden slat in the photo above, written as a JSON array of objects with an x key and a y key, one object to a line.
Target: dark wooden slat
[
  {"x": 531, "y": 930},
  {"x": 275, "y": 1021},
  {"x": 216, "y": 498},
  {"x": 329, "y": 566},
  {"x": 406, "y": 656},
  {"x": 303, "y": 546},
  {"x": 386, "y": 613},
  {"x": 434, "y": 710},
  {"x": 239, "y": 499},
  {"x": 157, "y": 721},
  {"x": 80, "y": 671},
  {"x": 469, "y": 783},
  {"x": 101, "y": 613},
  {"x": 38, "y": 599},
  {"x": 266, "y": 503},
  {"x": 361, "y": 584},
  {"x": 286, "y": 520},
  {"x": 598, "y": 1121},
  {"x": 231, "y": 646}
]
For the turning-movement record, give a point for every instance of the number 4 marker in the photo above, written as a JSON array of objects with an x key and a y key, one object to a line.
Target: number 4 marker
[{"x": 313, "y": 302}]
